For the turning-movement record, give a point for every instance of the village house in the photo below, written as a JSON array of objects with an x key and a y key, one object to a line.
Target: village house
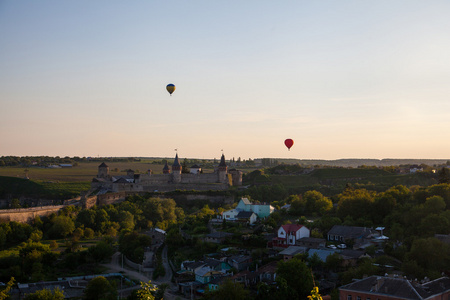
[
  {"x": 387, "y": 288},
  {"x": 359, "y": 237},
  {"x": 262, "y": 210},
  {"x": 311, "y": 242},
  {"x": 266, "y": 273},
  {"x": 247, "y": 212},
  {"x": 239, "y": 262},
  {"x": 292, "y": 251},
  {"x": 288, "y": 235},
  {"x": 217, "y": 237}
]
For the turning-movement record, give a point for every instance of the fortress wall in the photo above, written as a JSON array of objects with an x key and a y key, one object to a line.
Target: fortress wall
[
  {"x": 111, "y": 198},
  {"x": 187, "y": 186},
  {"x": 90, "y": 201},
  {"x": 155, "y": 179},
  {"x": 199, "y": 178},
  {"x": 26, "y": 215}
]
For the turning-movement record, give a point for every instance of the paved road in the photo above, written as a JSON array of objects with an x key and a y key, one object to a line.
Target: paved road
[{"x": 116, "y": 266}]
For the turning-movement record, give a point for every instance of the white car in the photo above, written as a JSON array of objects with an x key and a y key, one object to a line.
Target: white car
[
  {"x": 342, "y": 246},
  {"x": 332, "y": 246}
]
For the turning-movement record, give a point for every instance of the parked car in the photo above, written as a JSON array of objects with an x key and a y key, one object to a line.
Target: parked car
[
  {"x": 332, "y": 246},
  {"x": 342, "y": 246}
]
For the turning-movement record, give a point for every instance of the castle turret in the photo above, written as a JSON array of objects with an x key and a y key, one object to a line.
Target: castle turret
[
  {"x": 176, "y": 170},
  {"x": 166, "y": 169},
  {"x": 222, "y": 170},
  {"x": 103, "y": 171}
]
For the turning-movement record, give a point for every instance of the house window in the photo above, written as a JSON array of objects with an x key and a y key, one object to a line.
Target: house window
[
  {"x": 349, "y": 297},
  {"x": 367, "y": 298},
  {"x": 358, "y": 298}
]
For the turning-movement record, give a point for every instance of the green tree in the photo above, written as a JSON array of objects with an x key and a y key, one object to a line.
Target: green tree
[
  {"x": 147, "y": 291},
  {"x": 434, "y": 204},
  {"x": 88, "y": 233},
  {"x": 100, "y": 288},
  {"x": 444, "y": 175},
  {"x": 297, "y": 276},
  {"x": 4, "y": 292},
  {"x": 316, "y": 202},
  {"x": 101, "y": 251},
  {"x": 46, "y": 294},
  {"x": 430, "y": 254},
  {"x": 298, "y": 204},
  {"x": 356, "y": 203},
  {"x": 62, "y": 226},
  {"x": 230, "y": 290}
]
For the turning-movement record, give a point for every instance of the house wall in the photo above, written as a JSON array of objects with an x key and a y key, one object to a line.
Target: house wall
[
  {"x": 245, "y": 207},
  {"x": 230, "y": 214},
  {"x": 262, "y": 210},
  {"x": 281, "y": 232},
  {"x": 303, "y": 232}
]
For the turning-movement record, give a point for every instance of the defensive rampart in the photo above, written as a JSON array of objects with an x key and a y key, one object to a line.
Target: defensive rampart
[{"x": 26, "y": 215}]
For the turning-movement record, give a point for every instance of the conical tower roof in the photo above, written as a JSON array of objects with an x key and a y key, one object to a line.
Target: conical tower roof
[
  {"x": 103, "y": 165},
  {"x": 176, "y": 162},
  {"x": 222, "y": 161},
  {"x": 166, "y": 167}
]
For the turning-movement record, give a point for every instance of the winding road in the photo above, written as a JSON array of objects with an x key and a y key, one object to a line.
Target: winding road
[{"x": 116, "y": 266}]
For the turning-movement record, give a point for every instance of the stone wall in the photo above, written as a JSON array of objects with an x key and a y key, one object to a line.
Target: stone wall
[{"x": 26, "y": 215}]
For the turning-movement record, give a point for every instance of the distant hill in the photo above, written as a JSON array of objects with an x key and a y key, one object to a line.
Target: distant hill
[{"x": 355, "y": 162}]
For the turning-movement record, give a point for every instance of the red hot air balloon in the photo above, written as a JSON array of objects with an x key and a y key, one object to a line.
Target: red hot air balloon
[{"x": 289, "y": 143}]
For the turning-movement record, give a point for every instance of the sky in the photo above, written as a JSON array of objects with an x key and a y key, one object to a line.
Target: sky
[{"x": 343, "y": 79}]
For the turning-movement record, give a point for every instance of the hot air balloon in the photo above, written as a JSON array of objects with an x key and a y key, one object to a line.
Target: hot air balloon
[
  {"x": 289, "y": 143},
  {"x": 170, "y": 88}
]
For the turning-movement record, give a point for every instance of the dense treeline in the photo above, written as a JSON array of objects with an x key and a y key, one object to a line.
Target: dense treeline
[{"x": 30, "y": 258}]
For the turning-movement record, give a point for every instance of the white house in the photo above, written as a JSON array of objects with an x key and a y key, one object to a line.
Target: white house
[
  {"x": 230, "y": 214},
  {"x": 289, "y": 235}
]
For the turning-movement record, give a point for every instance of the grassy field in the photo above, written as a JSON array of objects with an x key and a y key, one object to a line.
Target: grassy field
[{"x": 84, "y": 172}]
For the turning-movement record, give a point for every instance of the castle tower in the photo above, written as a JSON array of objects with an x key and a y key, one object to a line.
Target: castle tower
[
  {"x": 130, "y": 173},
  {"x": 176, "y": 170},
  {"x": 166, "y": 169},
  {"x": 222, "y": 170},
  {"x": 103, "y": 171}
]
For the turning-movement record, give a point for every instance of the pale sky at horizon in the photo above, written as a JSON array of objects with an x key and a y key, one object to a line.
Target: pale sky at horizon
[{"x": 343, "y": 79}]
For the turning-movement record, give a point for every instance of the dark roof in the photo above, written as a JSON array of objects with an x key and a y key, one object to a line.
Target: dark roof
[
  {"x": 193, "y": 265},
  {"x": 350, "y": 253},
  {"x": 240, "y": 258},
  {"x": 244, "y": 214},
  {"x": 218, "y": 235},
  {"x": 121, "y": 180},
  {"x": 196, "y": 167},
  {"x": 312, "y": 240},
  {"x": 103, "y": 165},
  {"x": 212, "y": 262},
  {"x": 176, "y": 162},
  {"x": 437, "y": 286},
  {"x": 270, "y": 267},
  {"x": 222, "y": 161},
  {"x": 95, "y": 179},
  {"x": 399, "y": 287},
  {"x": 166, "y": 166},
  {"x": 350, "y": 231}
]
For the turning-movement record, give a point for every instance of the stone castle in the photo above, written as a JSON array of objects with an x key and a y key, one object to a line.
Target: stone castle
[{"x": 170, "y": 180}]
